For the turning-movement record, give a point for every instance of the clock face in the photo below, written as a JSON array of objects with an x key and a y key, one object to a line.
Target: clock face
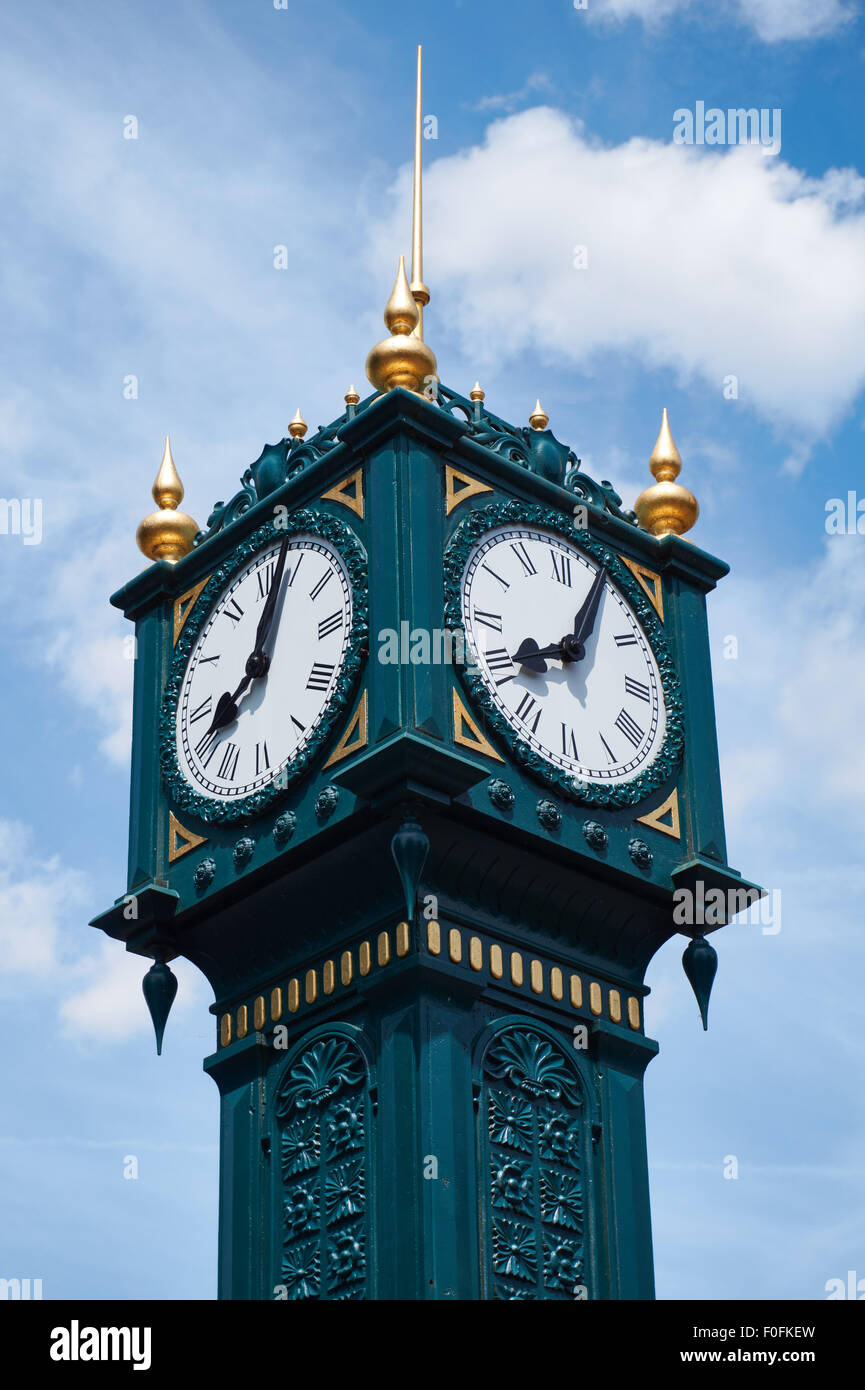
[
  {"x": 279, "y": 712},
  {"x": 598, "y": 717}
]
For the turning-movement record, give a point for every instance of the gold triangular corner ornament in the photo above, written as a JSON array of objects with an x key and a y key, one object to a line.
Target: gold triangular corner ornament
[
  {"x": 355, "y": 735},
  {"x": 655, "y": 819},
  {"x": 349, "y": 492},
  {"x": 183, "y": 606},
  {"x": 467, "y": 733},
  {"x": 470, "y": 487},
  {"x": 181, "y": 840},
  {"x": 649, "y": 582}
]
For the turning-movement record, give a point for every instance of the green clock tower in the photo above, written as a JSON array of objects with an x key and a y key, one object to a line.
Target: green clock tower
[{"x": 423, "y": 747}]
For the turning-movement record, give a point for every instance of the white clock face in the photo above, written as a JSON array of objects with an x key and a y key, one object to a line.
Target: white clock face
[
  {"x": 279, "y": 712},
  {"x": 599, "y": 718}
]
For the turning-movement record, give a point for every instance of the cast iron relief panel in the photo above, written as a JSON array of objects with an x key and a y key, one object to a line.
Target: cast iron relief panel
[
  {"x": 533, "y": 1156},
  {"x": 323, "y": 1109}
]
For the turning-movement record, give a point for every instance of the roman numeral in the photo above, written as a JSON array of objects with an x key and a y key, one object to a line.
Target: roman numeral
[
  {"x": 328, "y": 625},
  {"x": 561, "y": 567},
  {"x": 265, "y": 579},
  {"x": 626, "y": 639},
  {"x": 629, "y": 727},
  {"x": 319, "y": 676},
  {"x": 569, "y": 738},
  {"x": 637, "y": 688},
  {"x": 202, "y": 660},
  {"x": 610, "y": 754},
  {"x": 519, "y": 549},
  {"x": 504, "y": 583},
  {"x": 262, "y": 761},
  {"x": 235, "y": 617},
  {"x": 228, "y": 766},
  {"x": 292, "y": 574},
  {"x": 300, "y": 727},
  {"x": 206, "y": 747},
  {"x": 202, "y": 710},
  {"x": 314, "y": 593},
  {"x": 498, "y": 660},
  {"x": 524, "y": 711},
  {"x": 492, "y": 620}
]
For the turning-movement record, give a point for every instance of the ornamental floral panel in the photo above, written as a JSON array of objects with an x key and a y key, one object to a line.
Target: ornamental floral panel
[
  {"x": 532, "y": 1169},
  {"x": 322, "y": 1110}
]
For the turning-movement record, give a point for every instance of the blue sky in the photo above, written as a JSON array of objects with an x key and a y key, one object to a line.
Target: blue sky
[{"x": 154, "y": 257}]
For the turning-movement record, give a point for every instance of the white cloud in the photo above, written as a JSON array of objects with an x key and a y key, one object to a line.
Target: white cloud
[
  {"x": 708, "y": 263},
  {"x": 771, "y": 20},
  {"x": 110, "y": 1006}
]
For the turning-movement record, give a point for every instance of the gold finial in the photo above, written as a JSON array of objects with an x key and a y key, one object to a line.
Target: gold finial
[
  {"x": 298, "y": 427},
  {"x": 539, "y": 419},
  {"x": 418, "y": 288},
  {"x": 666, "y": 506},
  {"x": 402, "y": 359},
  {"x": 476, "y": 394},
  {"x": 167, "y": 534},
  {"x": 351, "y": 396}
]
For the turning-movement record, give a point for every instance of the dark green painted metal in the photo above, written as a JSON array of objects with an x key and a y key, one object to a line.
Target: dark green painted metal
[{"x": 386, "y": 1092}]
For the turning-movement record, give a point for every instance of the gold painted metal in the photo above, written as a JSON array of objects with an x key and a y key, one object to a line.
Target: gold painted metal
[
  {"x": 242, "y": 1021},
  {"x": 328, "y": 977},
  {"x": 354, "y": 736},
  {"x": 516, "y": 968},
  {"x": 536, "y": 975},
  {"x": 615, "y": 1006},
  {"x": 258, "y": 1013},
  {"x": 225, "y": 1030},
  {"x": 352, "y": 398},
  {"x": 576, "y": 992},
  {"x": 666, "y": 507},
  {"x": 346, "y": 967},
  {"x": 497, "y": 968},
  {"x": 596, "y": 1003},
  {"x": 403, "y": 359},
  {"x": 181, "y": 840},
  {"x": 383, "y": 952},
  {"x": 298, "y": 427},
  {"x": 167, "y": 534},
  {"x": 476, "y": 394},
  {"x": 364, "y": 956},
  {"x": 473, "y": 739},
  {"x": 402, "y": 939},
  {"x": 654, "y": 819},
  {"x": 293, "y": 996},
  {"x": 455, "y": 945},
  {"x": 418, "y": 288},
  {"x": 634, "y": 1012},
  {"x": 184, "y": 605},
  {"x": 649, "y": 582},
  {"x": 311, "y": 987},
  {"x": 539, "y": 419},
  {"x": 556, "y": 986},
  {"x": 470, "y": 487},
  {"x": 476, "y": 953},
  {"x": 349, "y": 492},
  {"x": 433, "y": 938},
  {"x": 276, "y": 1004}
]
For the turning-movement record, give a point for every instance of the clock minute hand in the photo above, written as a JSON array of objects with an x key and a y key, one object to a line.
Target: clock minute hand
[
  {"x": 258, "y": 662},
  {"x": 265, "y": 622},
  {"x": 584, "y": 622}
]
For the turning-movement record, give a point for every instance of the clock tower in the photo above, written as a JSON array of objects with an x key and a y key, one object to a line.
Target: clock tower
[{"x": 423, "y": 748}]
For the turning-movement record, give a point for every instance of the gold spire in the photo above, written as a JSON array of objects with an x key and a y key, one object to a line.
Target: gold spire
[
  {"x": 476, "y": 394},
  {"x": 539, "y": 419},
  {"x": 351, "y": 396},
  {"x": 167, "y": 534},
  {"x": 666, "y": 506},
  {"x": 418, "y": 288},
  {"x": 402, "y": 359},
  {"x": 298, "y": 427}
]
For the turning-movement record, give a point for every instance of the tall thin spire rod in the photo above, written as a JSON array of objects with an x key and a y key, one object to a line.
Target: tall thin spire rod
[{"x": 419, "y": 290}]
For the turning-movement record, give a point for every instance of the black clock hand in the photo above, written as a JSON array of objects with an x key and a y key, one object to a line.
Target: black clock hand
[
  {"x": 572, "y": 647},
  {"x": 266, "y": 620},
  {"x": 258, "y": 662}
]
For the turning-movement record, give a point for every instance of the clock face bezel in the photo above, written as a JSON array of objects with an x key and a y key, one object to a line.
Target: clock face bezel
[
  {"x": 471, "y": 533},
  {"x": 303, "y": 522}
]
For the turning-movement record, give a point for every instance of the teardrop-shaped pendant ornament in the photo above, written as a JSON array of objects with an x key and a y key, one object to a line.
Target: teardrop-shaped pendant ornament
[
  {"x": 410, "y": 848},
  {"x": 159, "y": 986},
  {"x": 700, "y": 961}
]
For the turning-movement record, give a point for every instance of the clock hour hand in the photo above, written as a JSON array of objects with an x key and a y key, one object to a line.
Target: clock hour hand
[
  {"x": 258, "y": 662},
  {"x": 572, "y": 647}
]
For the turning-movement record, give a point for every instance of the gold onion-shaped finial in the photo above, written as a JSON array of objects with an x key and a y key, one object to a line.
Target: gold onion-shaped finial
[
  {"x": 298, "y": 427},
  {"x": 539, "y": 419},
  {"x": 476, "y": 394},
  {"x": 167, "y": 534},
  {"x": 402, "y": 359},
  {"x": 666, "y": 507},
  {"x": 351, "y": 396}
]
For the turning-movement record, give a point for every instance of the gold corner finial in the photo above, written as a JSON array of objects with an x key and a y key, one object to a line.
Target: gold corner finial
[
  {"x": 666, "y": 507},
  {"x": 476, "y": 394},
  {"x": 403, "y": 359},
  {"x": 419, "y": 290},
  {"x": 539, "y": 419},
  {"x": 351, "y": 397},
  {"x": 167, "y": 534},
  {"x": 298, "y": 427}
]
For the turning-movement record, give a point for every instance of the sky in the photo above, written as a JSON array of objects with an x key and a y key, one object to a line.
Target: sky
[{"x": 576, "y": 250}]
